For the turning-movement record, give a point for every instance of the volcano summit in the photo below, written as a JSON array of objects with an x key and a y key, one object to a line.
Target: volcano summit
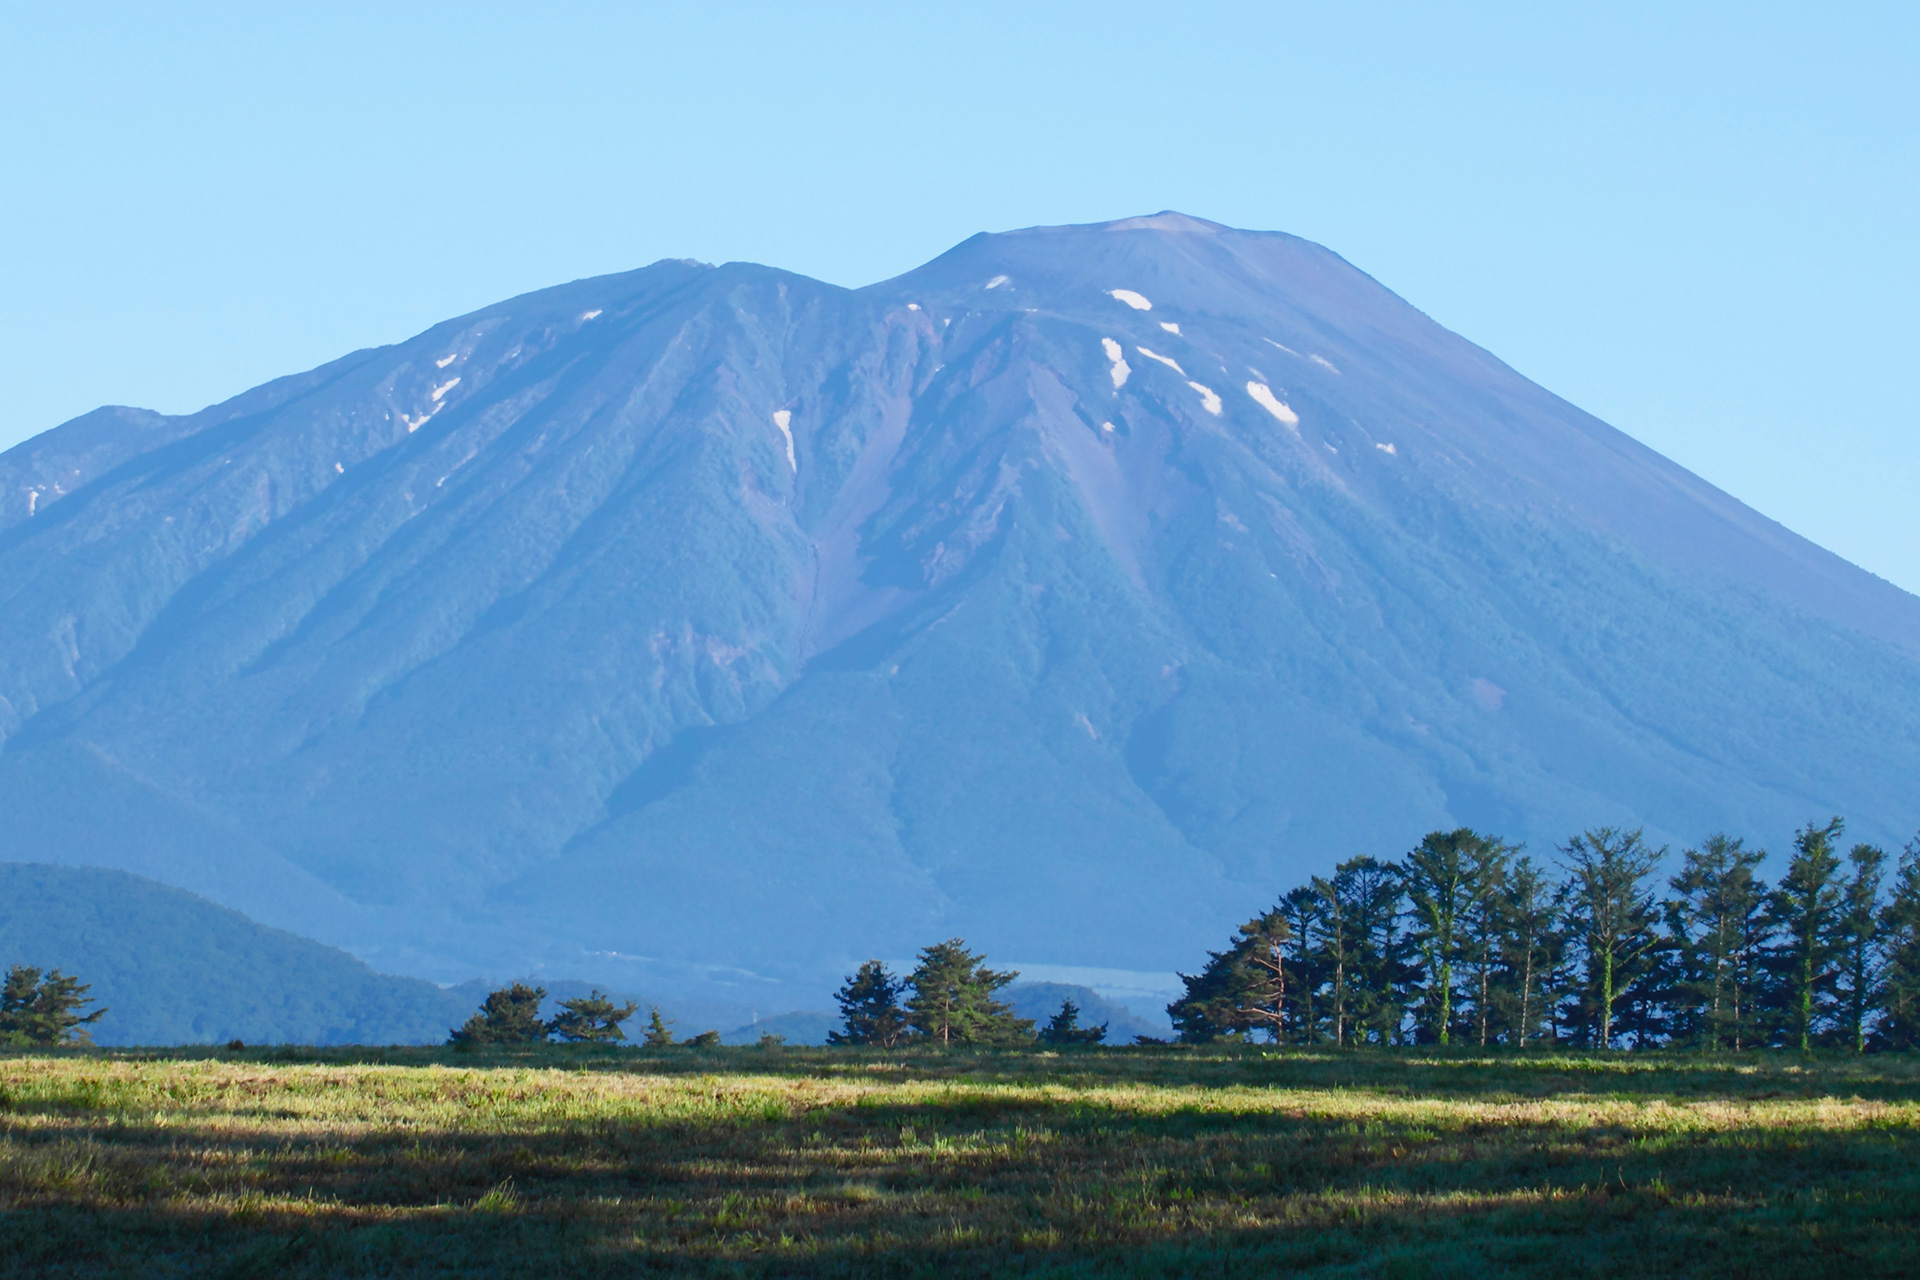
[{"x": 715, "y": 628}]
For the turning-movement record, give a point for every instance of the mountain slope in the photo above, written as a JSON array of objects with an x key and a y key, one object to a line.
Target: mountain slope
[
  {"x": 712, "y": 629},
  {"x": 171, "y": 968}
]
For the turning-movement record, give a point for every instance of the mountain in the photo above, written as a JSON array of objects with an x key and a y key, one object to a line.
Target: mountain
[{"x": 711, "y": 629}]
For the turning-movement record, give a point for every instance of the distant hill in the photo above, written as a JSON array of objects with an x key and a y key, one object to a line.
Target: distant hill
[{"x": 173, "y": 968}]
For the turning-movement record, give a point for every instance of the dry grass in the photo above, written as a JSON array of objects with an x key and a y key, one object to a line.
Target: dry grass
[{"x": 810, "y": 1162}]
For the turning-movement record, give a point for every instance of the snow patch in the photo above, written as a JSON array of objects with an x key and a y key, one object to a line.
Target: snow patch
[
  {"x": 1386, "y": 448},
  {"x": 1289, "y": 350},
  {"x": 444, "y": 361},
  {"x": 33, "y": 501},
  {"x": 1087, "y": 724},
  {"x": 1132, "y": 299},
  {"x": 913, "y": 306},
  {"x": 996, "y": 282},
  {"x": 443, "y": 388},
  {"x": 1263, "y": 396},
  {"x": 1120, "y": 369},
  {"x": 1323, "y": 364},
  {"x": 1171, "y": 364},
  {"x": 339, "y": 469},
  {"x": 1208, "y": 400},
  {"x": 1107, "y": 427},
  {"x": 588, "y": 315},
  {"x": 782, "y": 418},
  {"x": 1170, "y": 326}
]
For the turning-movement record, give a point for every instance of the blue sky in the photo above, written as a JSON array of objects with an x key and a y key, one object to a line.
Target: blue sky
[{"x": 1696, "y": 221}]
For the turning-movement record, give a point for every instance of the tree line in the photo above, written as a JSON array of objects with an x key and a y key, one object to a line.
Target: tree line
[{"x": 1469, "y": 940}]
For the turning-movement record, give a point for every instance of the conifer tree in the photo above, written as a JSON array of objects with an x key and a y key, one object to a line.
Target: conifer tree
[
  {"x": 1899, "y": 930},
  {"x": 1717, "y": 923},
  {"x": 593, "y": 1018},
  {"x": 510, "y": 1015},
  {"x": 1314, "y": 927},
  {"x": 1448, "y": 876},
  {"x": 1804, "y": 909},
  {"x": 1610, "y": 917},
  {"x": 45, "y": 1009},
  {"x": 1240, "y": 989},
  {"x": 1386, "y": 972},
  {"x": 870, "y": 1008},
  {"x": 659, "y": 1034},
  {"x": 1857, "y": 946},
  {"x": 953, "y": 999},
  {"x": 1527, "y": 950},
  {"x": 1064, "y": 1028}
]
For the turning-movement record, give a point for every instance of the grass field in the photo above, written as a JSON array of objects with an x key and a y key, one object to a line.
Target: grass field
[{"x": 1159, "y": 1162}]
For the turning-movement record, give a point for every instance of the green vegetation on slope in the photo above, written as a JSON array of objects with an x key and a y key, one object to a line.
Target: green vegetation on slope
[
  {"x": 1156, "y": 1162},
  {"x": 173, "y": 968}
]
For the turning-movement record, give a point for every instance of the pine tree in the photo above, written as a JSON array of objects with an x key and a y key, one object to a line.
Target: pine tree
[
  {"x": 593, "y": 1018},
  {"x": 1312, "y": 970},
  {"x": 1610, "y": 916},
  {"x": 1527, "y": 950},
  {"x": 1804, "y": 909},
  {"x": 510, "y": 1015},
  {"x": 1717, "y": 923},
  {"x": 1323, "y": 908},
  {"x": 659, "y": 1034},
  {"x": 1448, "y": 877},
  {"x": 1899, "y": 930},
  {"x": 1241, "y": 989},
  {"x": 1386, "y": 974},
  {"x": 953, "y": 999},
  {"x": 37, "y": 1009},
  {"x": 1064, "y": 1028},
  {"x": 1857, "y": 946},
  {"x": 870, "y": 1008}
]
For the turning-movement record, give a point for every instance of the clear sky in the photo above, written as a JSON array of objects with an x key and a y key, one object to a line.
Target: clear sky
[{"x": 1698, "y": 222}]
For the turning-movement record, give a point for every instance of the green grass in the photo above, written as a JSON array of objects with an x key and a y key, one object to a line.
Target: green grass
[{"x": 1171, "y": 1162}]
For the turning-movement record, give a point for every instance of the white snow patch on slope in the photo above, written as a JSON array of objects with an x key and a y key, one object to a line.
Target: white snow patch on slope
[
  {"x": 1386, "y": 448},
  {"x": 1208, "y": 400},
  {"x": 444, "y": 361},
  {"x": 443, "y": 388},
  {"x": 1107, "y": 427},
  {"x": 33, "y": 501},
  {"x": 996, "y": 282},
  {"x": 1132, "y": 299},
  {"x": 782, "y": 418},
  {"x": 1263, "y": 396},
  {"x": 1323, "y": 364},
  {"x": 1171, "y": 364},
  {"x": 588, "y": 315},
  {"x": 913, "y": 306},
  {"x": 1289, "y": 350},
  {"x": 1120, "y": 369},
  {"x": 339, "y": 470},
  {"x": 1170, "y": 326}
]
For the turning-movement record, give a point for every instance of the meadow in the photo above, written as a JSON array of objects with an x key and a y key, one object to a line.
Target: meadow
[{"x": 1231, "y": 1160}]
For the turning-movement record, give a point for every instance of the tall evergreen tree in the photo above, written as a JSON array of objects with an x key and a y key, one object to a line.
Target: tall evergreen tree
[
  {"x": 510, "y": 1015},
  {"x": 1448, "y": 876},
  {"x": 1386, "y": 974},
  {"x": 1804, "y": 909},
  {"x": 870, "y": 1008},
  {"x": 1527, "y": 950},
  {"x": 1313, "y": 923},
  {"x": 593, "y": 1018},
  {"x": 1717, "y": 921},
  {"x": 1241, "y": 989},
  {"x": 44, "y": 1009},
  {"x": 1610, "y": 916},
  {"x": 1857, "y": 946},
  {"x": 1899, "y": 931},
  {"x": 953, "y": 999}
]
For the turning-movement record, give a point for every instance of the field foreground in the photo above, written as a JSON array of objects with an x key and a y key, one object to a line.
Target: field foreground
[{"x": 1238, "y": 1161}]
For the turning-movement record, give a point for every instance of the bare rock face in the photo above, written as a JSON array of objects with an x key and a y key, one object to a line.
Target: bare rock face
[{"x": 713, "y": 628}]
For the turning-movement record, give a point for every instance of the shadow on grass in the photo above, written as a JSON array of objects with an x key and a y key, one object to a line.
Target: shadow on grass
[{"x": 978, "y": 1182}]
